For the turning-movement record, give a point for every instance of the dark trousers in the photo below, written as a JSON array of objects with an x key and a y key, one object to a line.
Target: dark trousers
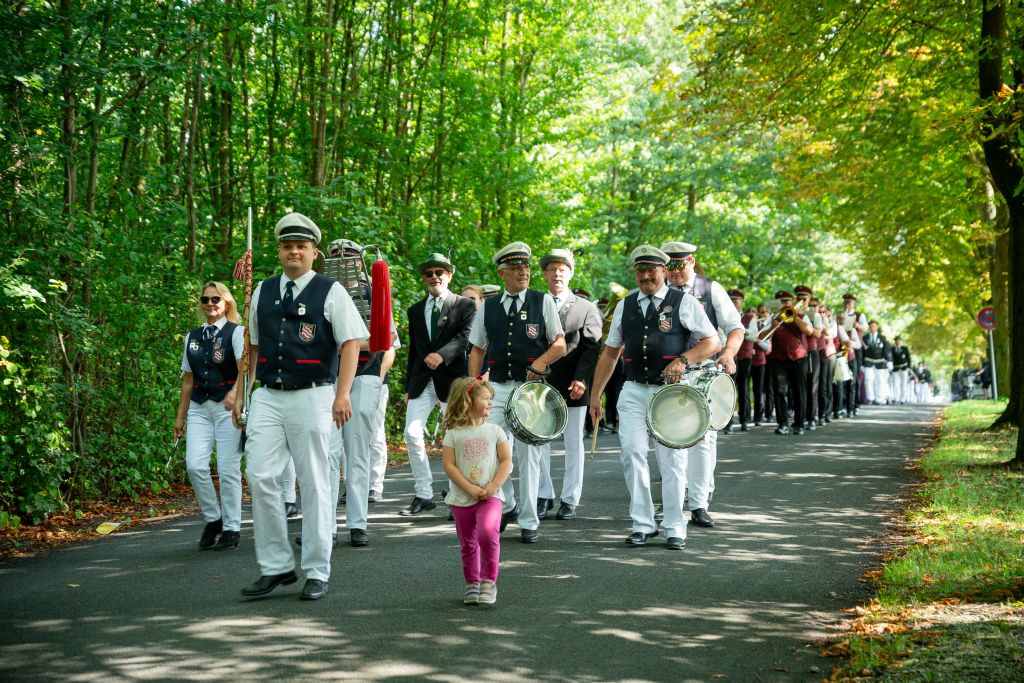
[
  {"x": 742, "y": 378},
  {"x": 769, "y": 393},
  {"x": 826, "y": 384},
  {"x": 789, "y": 378},
  {"x": 853, "y": 388},
  {"x": 813, "y": 372},
  {"x": 855, "y": 369},
  {"x": 838, "y": 398},
  {"x": 757, "y": 375}
]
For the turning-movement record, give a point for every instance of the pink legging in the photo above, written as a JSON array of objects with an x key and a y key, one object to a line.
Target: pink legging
[{"x": 479, "y": 539}]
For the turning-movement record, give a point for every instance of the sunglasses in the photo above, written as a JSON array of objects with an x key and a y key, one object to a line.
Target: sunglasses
[
  {"x": 210, "y": 299},
  {"x": 437, "y": 272}
]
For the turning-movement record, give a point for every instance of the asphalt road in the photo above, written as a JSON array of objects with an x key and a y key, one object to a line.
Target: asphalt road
[{"x": 798, "y": 521}]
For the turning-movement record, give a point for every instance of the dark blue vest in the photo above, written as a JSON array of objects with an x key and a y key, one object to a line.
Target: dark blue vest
[
  {"x": 702, "y": 290},
  {"x": 652, "y": 342},
  {"x": 295, "y": 349},
  {"x": 214, "y": 369},
  {"x": 514, "y": 343}
]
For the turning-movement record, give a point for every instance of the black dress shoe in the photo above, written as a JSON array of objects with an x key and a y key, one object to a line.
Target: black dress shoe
[
  {"x": 566, "y": 511},
  {"x": 510, "y": 517},
  {"x": 265, "y": 584},
  {"x": 374, "y": 497},
  {"x": 638, "y": 538},
  {"x": 700, "y": 517},
  {"x": 334, "y": 540},
  {"x": 659, "y": 514},
  {"x": 291, "y": 511},
  {"x": 418, "y": 506},
  {"x": 782, "y": 430},
  {"x": 228, "y": 540},
  {"x": 756, "y": 423},
  {"x": 357, "y": 538},
  {"x": 743, "y": 428},
  {"x": 727, "y": 429},
  {"x": 798, "y": 431},
  {"x": 313, "y": 590},
  {"x": 544, "y": 506},
  {"x": 675, "y": 543},
  {"x": 210, "y": 532},
  {"x": 529, "y": 535}
]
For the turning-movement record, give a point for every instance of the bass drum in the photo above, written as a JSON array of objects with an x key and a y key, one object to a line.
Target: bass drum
[
  {"x": 678, "y": 416},
  {"x": 718, "y": 389},
  {"x": 536, "y": 413}
]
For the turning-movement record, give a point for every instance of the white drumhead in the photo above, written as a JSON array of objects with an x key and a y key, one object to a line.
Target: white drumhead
[
  {"x": 722, "y": 399},
  {"x": 678, "y": 416},
  {"x": 537, "y": 408}
]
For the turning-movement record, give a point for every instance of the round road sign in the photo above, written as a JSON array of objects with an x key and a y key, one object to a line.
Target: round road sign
[{"x": 987, "y": 318}]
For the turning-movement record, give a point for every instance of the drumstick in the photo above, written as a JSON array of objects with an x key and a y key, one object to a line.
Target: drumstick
[{"x": 593, "y": 443}]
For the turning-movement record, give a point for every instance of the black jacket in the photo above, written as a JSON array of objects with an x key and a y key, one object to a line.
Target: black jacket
[{"x": 457, "y": 315}]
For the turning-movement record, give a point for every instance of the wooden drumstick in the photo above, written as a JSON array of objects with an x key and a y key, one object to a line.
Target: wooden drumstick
[{"x": 593, "y": 443}]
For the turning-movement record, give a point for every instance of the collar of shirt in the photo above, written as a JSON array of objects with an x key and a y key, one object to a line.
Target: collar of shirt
[
  {"x": 441, "y": 297},
  {"x": 659, "y": 295},
  {"x": 300, "y": 282},
  {"x": 219, "y": 324},
  {"x": 521, "y": 296},
  {"x": 563, "y": 298}
]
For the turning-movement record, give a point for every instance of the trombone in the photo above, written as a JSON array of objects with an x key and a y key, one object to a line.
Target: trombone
[{"x": 786, "y": 315}]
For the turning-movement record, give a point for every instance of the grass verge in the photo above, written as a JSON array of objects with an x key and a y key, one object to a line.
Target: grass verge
[{"x": 950, "y": 600}]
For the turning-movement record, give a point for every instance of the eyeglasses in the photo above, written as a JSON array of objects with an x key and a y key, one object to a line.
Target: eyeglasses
[
  {"x": 516, "y": 266},
  {"x": 210, "y": 299},
  {"x": 438, "y": 272}
]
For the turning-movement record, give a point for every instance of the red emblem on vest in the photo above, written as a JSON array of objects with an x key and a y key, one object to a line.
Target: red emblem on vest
[
  {"x": 665, "y": 324},
  {"x": 307, "y": 331},
  {"x": 532, "y": 330},
  {"x": 218, "y": 355}
]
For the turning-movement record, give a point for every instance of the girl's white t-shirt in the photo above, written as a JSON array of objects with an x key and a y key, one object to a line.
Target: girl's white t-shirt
[{"x": 476, "y": 456}]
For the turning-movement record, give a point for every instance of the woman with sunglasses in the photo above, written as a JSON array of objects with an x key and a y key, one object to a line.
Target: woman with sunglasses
[{"x": 210, "y": 366}]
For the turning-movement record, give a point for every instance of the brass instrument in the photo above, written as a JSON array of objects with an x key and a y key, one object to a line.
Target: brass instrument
[
  {"x": 785, "y": 315},
  {"x": 618, "y": 294}
]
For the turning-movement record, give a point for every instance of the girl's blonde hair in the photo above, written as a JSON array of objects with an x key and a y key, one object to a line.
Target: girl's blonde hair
[
  {"x": 230, "y": 307},
  {"x": 460, "y": 400}
]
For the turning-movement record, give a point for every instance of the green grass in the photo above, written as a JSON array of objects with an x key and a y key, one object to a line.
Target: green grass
[{"x": 965, "y": 545}]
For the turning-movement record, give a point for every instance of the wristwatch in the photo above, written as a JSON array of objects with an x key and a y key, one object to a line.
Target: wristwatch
[{"x": 685, "y": 360}]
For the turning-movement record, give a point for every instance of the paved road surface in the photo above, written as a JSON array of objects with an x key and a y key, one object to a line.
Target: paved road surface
[{"x": 798, "y": 520}]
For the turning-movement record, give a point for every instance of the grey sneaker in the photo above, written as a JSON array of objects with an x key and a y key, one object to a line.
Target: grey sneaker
[
  {"x": 472, "y": 593},
  {"x": 488, "y": 592}
]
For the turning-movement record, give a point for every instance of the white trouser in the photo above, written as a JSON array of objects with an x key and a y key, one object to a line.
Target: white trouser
[
  {"x": 295, "y": 424},
  {"x": 526, "y": 459},
  {"x": 379, "y": 445},
  {"x": 572, "y": 481},
  {"x": 208, "y": 422},
  {"x": 417, "y": 410},
  {"x": 700, "y": 470},
  {"x": 876, "y": 382},
  {"x": 924, "y": 392},
  {"x": 287, "y": 482},
  {"x": 356, "y": 455},
  {"x": 900, "y": 385},
  {"x": 634, "y": 439}
]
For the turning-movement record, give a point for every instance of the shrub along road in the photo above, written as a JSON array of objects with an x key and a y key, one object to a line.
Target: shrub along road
[{"x": 798, "y": 520}]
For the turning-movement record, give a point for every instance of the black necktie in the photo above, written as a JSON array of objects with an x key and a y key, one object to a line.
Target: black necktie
[
  {"x": 650, "y": 308},
  {"x": 208, "y": 333},
  {"x": 513, "y": 309},
  {"x": 288, "y": 296},
  {"x": 435, "y": 315}
]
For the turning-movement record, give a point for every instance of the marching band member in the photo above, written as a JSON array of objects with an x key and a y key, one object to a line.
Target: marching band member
[
  {"x": 924, "y": 383},
  {"x": 803, "y": 300},
  {"x": 787, "y": 363},
  {"x": 703, "y": 456},
  {"x": 517, "y": 337},
  {"x": 744, "y": 359},
  {"x": 899, "y": 376},
  {"x": 210, "y": 365},
  {"x": 763, "y": 397},
  {"x": 572, "y": 375},
  {"x": 438, "y": 336},
  {"x": 854, "y": 321},
  {"x": 829, "y": 351},
  {"x": 877, "y": 363},
  {"x": 304, "y": 388},
  {"x": 655, "y": 326}
]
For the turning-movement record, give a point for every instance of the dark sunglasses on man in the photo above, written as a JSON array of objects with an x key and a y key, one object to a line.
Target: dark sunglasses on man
[
  {"x": 210, "y": 299},
  {"x": 438, "y": 272}
]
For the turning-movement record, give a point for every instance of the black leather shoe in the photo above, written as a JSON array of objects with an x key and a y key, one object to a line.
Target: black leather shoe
[
  {"x": 638, "y": 538},
  {"x": 374, "y": 497},
  {"x": 659, "y": 514},
  {"x": 700, "y": 517},
  {"x": 291, "y": 511},
  {"x": 357, "y": 538},
  {"x": 544, "y": 506},
  {"x": 798, "y": 431},
  {"x": 566, "y": 511},
  {"x": 529, "y": 535},
  {"x": 418, "y": 506},
  {"x": 675, "y": 543},
  {"x": 727, "y": 429},
  {"x": 812, "y": 425},
  {"x": 756, "y": 423},
  {"x": 743, "y": 428},
  {"x": 313, "y": 590},
  {"x": 228, "y": 540},
  {"x": 210, "y": 533},
  {"x": 782, "y": 430},
  {"x": 510, "y": 517},
  {"x": 265, "y": 584},
  {"x": 334, "y": 540}
]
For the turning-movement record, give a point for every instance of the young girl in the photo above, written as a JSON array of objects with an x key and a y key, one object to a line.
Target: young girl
[{"x": 477, "y": 459}]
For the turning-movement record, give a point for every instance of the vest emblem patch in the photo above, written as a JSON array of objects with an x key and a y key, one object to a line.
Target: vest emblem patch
[
  {"x": 664, "y": 324},
  {"x": 193, "y": 346},
  {"x": 307, "y": 331},
  {"x": 218, "y": 355},
  {"x": 532, "y": 330}
]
